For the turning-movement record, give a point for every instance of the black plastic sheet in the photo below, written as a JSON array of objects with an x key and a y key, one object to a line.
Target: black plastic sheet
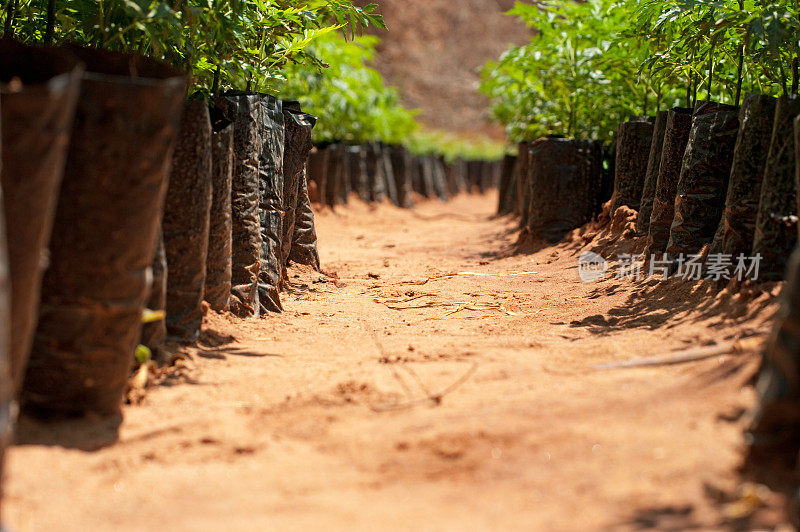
[
  {"x": 633, "y": 149},
  {"x": 651, "y": 175},
  {"x": 776, "y": 231},
  {"x": 676, "y": 137},
  {"x": 297, "y": 146},
  {"x": 700, "y": 197},
  {"x": 565, "y": 176},
  {"x": 304, "y": 240},
  {"x": 270, "y": 210},
  {"x": 186, "y": 223},
  {"x": 244, "y": 109},
  {"x": 36, "y": 123},
  {"x": 218, "y": 265},
  {"x": 104, "y": 235},
  {"x": 735, "y": 232}
]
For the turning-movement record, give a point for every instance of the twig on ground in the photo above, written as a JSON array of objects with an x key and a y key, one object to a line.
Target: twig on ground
[
  {"x": 433, "y": 399},
  {"x": 694, "y": 354}
]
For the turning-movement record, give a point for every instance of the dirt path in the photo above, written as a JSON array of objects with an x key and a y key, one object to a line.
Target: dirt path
[{"x": 318, "y": 419}]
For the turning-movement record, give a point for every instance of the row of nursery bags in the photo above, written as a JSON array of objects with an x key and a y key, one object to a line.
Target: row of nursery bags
[
  {"x": 118, "y": 196},
  {"x": 376, "y": 172},
  {"x": 715, "y": 179}
]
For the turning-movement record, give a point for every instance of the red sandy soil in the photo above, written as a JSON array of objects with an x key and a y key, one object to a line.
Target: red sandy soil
[
  {"x": 475, "y": 408},
  {"x": 433, "y": 53}
]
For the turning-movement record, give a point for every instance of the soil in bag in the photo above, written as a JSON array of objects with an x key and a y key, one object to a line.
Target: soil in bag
[
  {"x": 37, "y": 114},
  {"x": 564, "y": 181},
  {"x": 154, "y": 333},
  {"x": 186, "y": 223},
  {"x": 244, "y": 109},
  {"x": 304, "y": 239},
  {"x": 676, "y": 137},
  {"x": 298, "y": 127},
  {"x": 104, "y": 235},
  {"x": 776, "y": 231},
  {"x": 651, "y": 175},
  {"x": 634, "y": 138},
  {"x": 700, "y": 197},
  {"x": 401, "y": 166},
  {"x": 218, "y": 265},
  {"x": 270, "y": 178},
  {"x": 736, "y": 228}
]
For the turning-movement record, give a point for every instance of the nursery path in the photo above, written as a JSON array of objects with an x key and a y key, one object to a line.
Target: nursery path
[{"x": 318, "y": 419}]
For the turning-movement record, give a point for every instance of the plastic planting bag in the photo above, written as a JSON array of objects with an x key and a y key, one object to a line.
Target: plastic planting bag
[
  {"x": 334, "y": 189},
  {"x": 104, "y": 235},
  {"x": 244, "y": 109},
  {"x": 186, "y": 223},
  {"x": 270, "y": 178},
  {"x": 317, "y": 174},
  {"x": 776, "y": 420},
  {"x": 7, "y": 418},
  {"x": 358, "y": 171},
  {"x": 218, "y": 265},
  {"x": 633, "y": 149},
  {"x": 295, "y": 154},
  {"x": 565, "y": 177},
  {"x": 651, "y": 175},
  {"x": 676, "y": 137},
  {"x": 703, "y": 183},
  {"x": 776, "y": 231},
  {"x": 401, "y": 168},
  {"x": 376, "y": 180},
  {"x": 523, "y": 185},
  {"x": 304, "y": 240},
  {"x": 154, "y": 333},
  {"x": 737, "y": 226},
  {"x": 506, "y": 177},
  {"x": 439, "y": 177},
  {"x": 390, "y": 181},
  {"x": 37, "y": 114}
]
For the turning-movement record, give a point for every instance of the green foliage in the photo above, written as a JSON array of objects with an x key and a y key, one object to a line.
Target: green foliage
[
  {"x": 223, "y": 43},
  {"x": 454, "y": 146},
  {"x": 349, "y": 97},
  {"x": 593, "y": 64}
]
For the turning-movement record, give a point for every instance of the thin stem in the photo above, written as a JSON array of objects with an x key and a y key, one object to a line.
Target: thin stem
[
  {"x": 215, "y": 88},
  {"x": 795, "y": 75},
  {"x": 739, "y": 76},
  {"x": 711, "y": 69},
  {"x": 11, "y": 12},
  {"x": 51, "y": 22}
]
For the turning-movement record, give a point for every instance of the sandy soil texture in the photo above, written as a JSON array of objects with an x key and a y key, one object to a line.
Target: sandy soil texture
[{"x": 395, "y": 395}]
